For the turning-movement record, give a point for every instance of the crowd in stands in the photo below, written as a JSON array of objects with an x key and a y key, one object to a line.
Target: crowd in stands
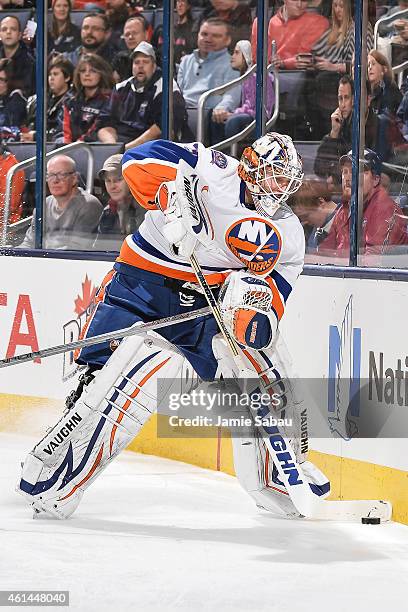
[{"x": 105, "y": 84}]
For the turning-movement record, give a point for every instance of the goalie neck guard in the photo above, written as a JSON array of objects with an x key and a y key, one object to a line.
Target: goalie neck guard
[{"x": 272, "y": 171}]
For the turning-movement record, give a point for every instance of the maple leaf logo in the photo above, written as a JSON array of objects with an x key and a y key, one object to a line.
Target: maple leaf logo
[{"x": 83, "y": 302}]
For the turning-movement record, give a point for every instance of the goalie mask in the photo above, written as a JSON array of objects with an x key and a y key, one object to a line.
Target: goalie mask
[{"x": 272, "y": 170}]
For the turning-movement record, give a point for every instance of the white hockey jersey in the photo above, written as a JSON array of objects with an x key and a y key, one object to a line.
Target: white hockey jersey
[{"x": 273, "y": 248}]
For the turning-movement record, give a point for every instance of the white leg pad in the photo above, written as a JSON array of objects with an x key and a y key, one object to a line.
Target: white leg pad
[{"x": 109, "y": 414}]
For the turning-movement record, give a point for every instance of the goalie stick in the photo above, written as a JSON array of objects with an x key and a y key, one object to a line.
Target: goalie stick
[
  {"x": 282, "y": 455},
  {"x": 137, "y": 328}
]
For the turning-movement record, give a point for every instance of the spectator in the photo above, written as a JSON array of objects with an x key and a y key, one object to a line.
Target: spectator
[
  {"x": 234, "y": 12},
  {"x": 334, "y": 50},
  {"x": 60, "y": 76},
  {"x": 134, "y": 112},
  {"x": 122, "y": 215},
  {"x": 87, "y": 5},
  {"x": 95, "y": 38},
  {"x": 388, "y": 28},
  {"x": 315, "y": 208},
  {"x": 232, "y": 118},
  {"x": 22, "y": 67},
  {"x": 240, "y": 60},
  {"x": 295, "y": 32},
  {"x": 382, "y": 222},
  {"x": 207, "y": 67},
  {"x": 93, "y": 82},
  {"x": 385, "y": 98},
  {"x": 338, "y": 141},
  {"x": 399, "y": 42},
  {"x": 134, "y": 32},
  {"x": 332, "y": 56},
  {"x": 71, "y": 215},
  {"x": 63, "y": 35},
  {"x": 185, "y": 32},
  {"x": 117, "y": 13},
  {"x": 13, "y": 111}
]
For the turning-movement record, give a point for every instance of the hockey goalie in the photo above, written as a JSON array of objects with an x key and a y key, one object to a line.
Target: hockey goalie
[{"x": 234, "y": 216}]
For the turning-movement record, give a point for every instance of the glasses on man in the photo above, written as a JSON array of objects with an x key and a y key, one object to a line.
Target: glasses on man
[
  {"x": 3, "y": 80},
  {"x": 58, "y": 176}
]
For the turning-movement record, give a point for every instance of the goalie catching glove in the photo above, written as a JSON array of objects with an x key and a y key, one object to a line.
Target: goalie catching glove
[
  {"x": 245, "y": 302},
  {"x": 184, "y": 204}
]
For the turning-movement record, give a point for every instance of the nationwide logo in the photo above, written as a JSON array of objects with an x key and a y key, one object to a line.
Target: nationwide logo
[
  {"x": 83, "y": 305},
  {"x": 344, "y": 376}
]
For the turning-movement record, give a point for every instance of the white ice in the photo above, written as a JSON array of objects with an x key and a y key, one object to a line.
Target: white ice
[{"x": 154, "y": 534}]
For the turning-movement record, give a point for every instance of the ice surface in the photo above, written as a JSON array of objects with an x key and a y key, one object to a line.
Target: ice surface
[{"x": 153, "y": 534}]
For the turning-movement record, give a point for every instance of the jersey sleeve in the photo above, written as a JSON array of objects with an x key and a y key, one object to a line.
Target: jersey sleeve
[{"x": 147, "y": 166}]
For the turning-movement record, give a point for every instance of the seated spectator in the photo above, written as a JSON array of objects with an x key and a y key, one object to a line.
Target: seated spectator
[
  {"x": 185, "y": 32},
  {"x": 382, "y": 222},
  {"x": 95, "y": 38},
  {"x": 117, "y": 13},
  {"x": 207, "y": 67},
  {"x": 63, "y": 35},
  {"x": 332, "y": 56},
  {"x": 13, "y": 105},
  {"x": 89, "y": 5},
  {"x": 22, "y": 67},
  {"x": 71, "y": 215},
  {"x": 338, "y": 141},
  {"x": 234, "y": 12},
  {"x": 134, "y": 32},
  {"x": 233, "y": 119},
  {"x": 60, "y": 76},
  {"x": 388, "y": 28},
  {"x": 16, "y": 4},
  {"x": 93, "y": 82},
  {"x": 295, "y": 31},
  {"x": 122, "y": 215},
  {"x": 399, "y": 43},
  {"x": 315, "y": 208},
  {"x": 133, "y": 115},
  {"x": 385, "y": 98}
]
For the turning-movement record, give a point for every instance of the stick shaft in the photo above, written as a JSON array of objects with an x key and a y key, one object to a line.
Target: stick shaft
[{"x": 138, "y": 328}]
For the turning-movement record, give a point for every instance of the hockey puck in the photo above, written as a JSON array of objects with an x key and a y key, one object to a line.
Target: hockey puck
[{"x": 370, "y": 520}]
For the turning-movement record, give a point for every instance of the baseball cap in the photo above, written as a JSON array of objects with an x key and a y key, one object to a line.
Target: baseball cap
[
  {"x": 370, "y": 159},
  {"x": 111, "y": 164},
  {"x": 145, "y": 48}
]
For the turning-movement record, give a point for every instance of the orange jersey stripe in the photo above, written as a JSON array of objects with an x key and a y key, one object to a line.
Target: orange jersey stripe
[
  {"x": 277, "y": 303},
  {"x": 128, "y": 256},
  {"x": 145, "y": 179}
]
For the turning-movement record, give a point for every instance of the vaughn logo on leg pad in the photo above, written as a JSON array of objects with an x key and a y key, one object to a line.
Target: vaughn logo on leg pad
[{"x": 63, "y": 433}]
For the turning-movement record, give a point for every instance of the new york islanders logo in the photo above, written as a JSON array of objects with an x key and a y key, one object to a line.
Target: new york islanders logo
[{"x": 256, "y": 242}]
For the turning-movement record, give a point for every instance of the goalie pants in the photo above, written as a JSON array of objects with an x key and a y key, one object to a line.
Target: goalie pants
[{"x": 128, "y": 295}]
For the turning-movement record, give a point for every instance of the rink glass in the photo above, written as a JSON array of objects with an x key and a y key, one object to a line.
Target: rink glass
[{"x": 308, "y": 97}]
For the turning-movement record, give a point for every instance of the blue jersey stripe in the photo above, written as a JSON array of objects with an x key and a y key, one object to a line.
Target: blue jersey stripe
[{"x": 163, "y": 150}]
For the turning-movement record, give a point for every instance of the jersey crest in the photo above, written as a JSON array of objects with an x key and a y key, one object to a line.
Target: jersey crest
[
  {"x": 255, "y": 242},
  {"x": 219, "y": 159}
]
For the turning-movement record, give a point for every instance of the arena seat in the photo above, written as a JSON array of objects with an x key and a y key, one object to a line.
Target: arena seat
[
  {"x": 25, "y": 150},
  {"x": 308, "y": 151},
  {"x": 77, "y": 17},
  {"x": 100, "y": 151}
]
